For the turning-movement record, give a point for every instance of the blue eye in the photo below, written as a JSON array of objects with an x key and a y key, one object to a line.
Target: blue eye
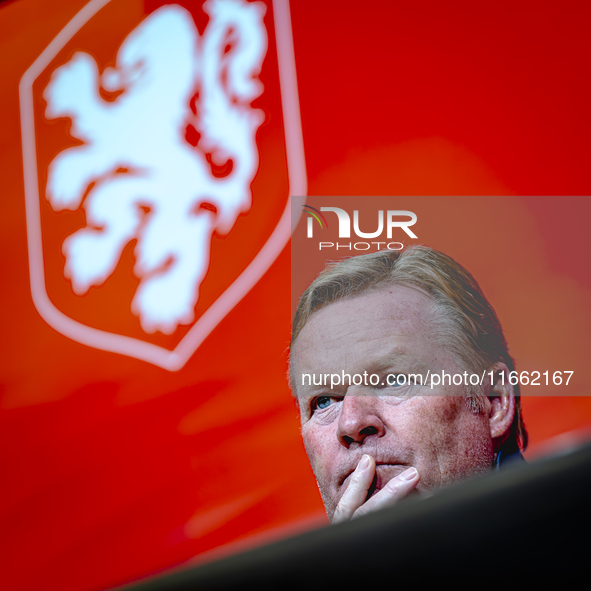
[
  {"x": 323, "y": 402},
  {"x": 396, "y": 379}
]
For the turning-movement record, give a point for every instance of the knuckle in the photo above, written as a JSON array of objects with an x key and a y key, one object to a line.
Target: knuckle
[
  {"x": 399, "y": 486},
  {"x": 343, "y": 511},
  {"x": 395, "y": 485},
  {"x": 356, "y": 478},
  {"x": 340, "y": 516}
]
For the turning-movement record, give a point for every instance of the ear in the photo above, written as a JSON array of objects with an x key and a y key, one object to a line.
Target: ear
[{"x": 502, "y": 404}]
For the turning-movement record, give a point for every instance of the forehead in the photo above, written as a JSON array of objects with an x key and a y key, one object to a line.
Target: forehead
[{"x": 369, "y": 333}]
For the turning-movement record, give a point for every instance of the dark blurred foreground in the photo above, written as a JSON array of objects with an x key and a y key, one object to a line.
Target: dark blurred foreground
[{"x": 529, "y": 522}]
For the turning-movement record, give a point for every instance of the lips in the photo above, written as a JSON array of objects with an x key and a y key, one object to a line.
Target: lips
[{"x": 384, "y": 473}]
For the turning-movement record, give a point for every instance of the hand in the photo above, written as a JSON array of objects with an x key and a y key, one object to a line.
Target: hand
[{"x": 353, "y": 504}]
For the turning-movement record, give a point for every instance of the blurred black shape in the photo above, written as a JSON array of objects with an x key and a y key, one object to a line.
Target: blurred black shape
[{"x": 527, "y": 522}]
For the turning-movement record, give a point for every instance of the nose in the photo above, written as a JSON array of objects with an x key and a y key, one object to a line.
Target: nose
[{"x": 359, "y": 419}]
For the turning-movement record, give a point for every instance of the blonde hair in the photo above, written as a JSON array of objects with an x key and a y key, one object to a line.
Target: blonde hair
[{"x": 465, "y": 321}]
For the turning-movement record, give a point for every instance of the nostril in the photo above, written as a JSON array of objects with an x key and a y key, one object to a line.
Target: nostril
[
  {"x": 347, "y": 440},
  {"x": 370, "y": 430}
]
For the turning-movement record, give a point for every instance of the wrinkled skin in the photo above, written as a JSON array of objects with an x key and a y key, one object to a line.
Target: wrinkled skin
[{"x": 371, "y": 446}]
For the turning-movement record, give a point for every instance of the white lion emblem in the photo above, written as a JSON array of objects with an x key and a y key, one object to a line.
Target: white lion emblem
[{"x": 144, "y": 180}]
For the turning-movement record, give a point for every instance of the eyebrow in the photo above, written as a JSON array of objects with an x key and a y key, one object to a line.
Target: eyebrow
[
  {"x": 388, "y": 363},
  {"x": 398, "y": 355},
  {"x": 381, "y": 362}
]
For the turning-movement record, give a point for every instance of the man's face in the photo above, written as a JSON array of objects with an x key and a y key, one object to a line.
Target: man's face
[{"x": 386, "y": 332}]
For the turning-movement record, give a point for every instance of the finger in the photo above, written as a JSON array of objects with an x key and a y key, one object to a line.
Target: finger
[
  {"x": 395, "y": 490},
  {"x": 356, "y": 492}
]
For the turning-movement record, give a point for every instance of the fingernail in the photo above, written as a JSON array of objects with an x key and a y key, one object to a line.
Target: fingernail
[
  {"x": 409, "y": 474},
  {"x": 364, "y": 463}
]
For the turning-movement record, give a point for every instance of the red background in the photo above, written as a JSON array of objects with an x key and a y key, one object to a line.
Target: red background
[{"x": 113, "y": 469}]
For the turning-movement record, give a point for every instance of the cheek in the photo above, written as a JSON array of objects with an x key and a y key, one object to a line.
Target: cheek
[
  {"x": 429, "y": 421},
  {"x": 448, "y": 439},
  {"x": 475, "y": 441},
  {"x": 318, "y": 449},
  {"x": 311, "y": 444}
]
